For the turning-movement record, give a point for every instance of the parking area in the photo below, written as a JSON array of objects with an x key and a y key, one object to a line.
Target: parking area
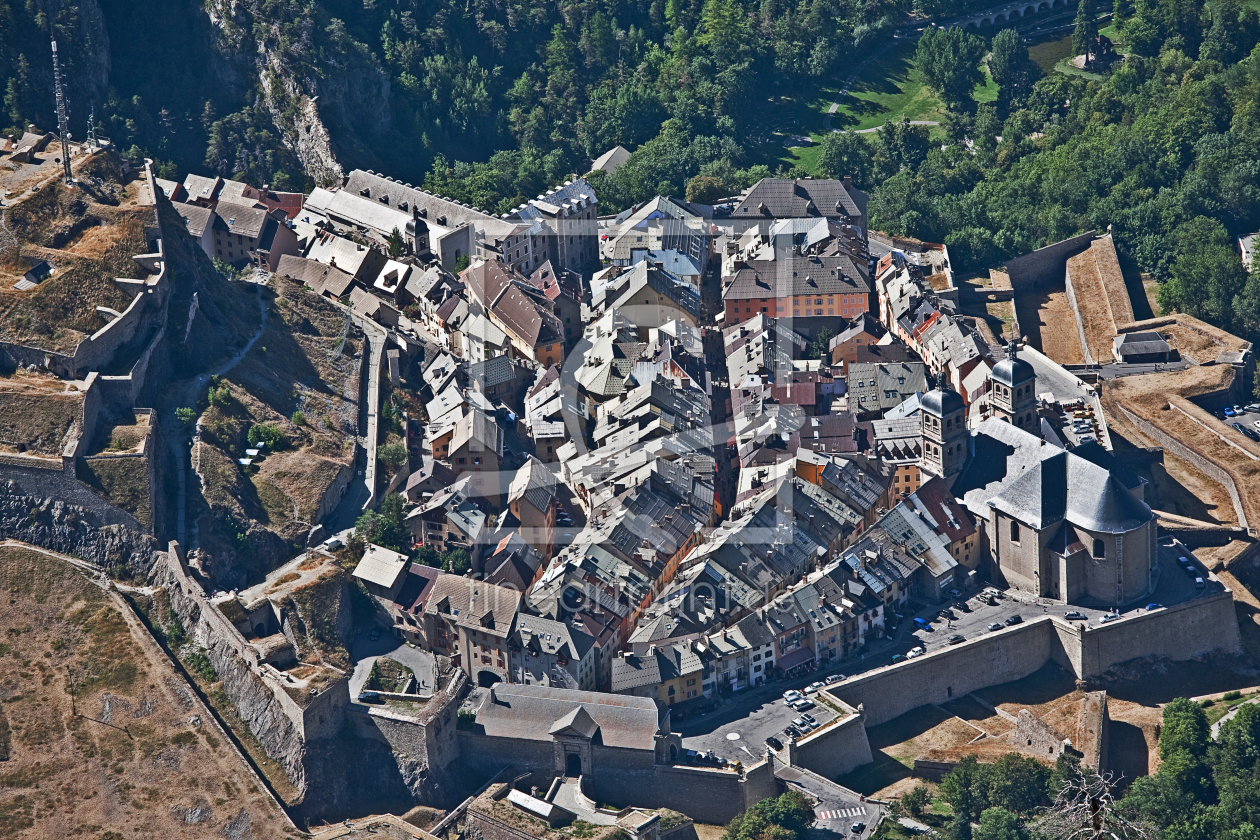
[
  {"x": 1175, "y": 584},
  {"x": 745, "y": 737},
  {"x": 1245, "y": 419}
]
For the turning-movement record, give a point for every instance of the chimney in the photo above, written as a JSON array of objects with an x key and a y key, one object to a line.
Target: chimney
[{"x": 848, "y": 182}]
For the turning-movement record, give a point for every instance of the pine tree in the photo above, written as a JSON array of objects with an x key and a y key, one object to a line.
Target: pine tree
[
  {"x": 1085, "y": 35},
  {"x": 17, "y": 96}
]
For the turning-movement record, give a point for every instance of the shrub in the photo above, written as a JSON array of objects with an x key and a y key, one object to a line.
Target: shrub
[
  {"x": 392, "y": 455},
  {"x": 1232, "y": 695},
  {"x": 185, "y": 414},
  {"x": 298, "y": 419},
  {"x": 266, "y": 433}
]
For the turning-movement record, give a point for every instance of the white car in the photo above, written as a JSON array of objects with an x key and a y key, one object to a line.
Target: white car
[
  {"x": 919, "y": 651},
  {"x": 791, "y": 697},
  {"x": 813, "y": 688},
  {"x": 1110, "y": 617}
]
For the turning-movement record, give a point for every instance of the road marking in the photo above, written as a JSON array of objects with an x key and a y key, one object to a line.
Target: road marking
[{"x": 841, "y": 813}]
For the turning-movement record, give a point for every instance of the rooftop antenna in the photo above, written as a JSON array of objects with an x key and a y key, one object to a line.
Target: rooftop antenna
[
  {"x": 63, "y": 123},
  {"x": 92, "y": 143}
]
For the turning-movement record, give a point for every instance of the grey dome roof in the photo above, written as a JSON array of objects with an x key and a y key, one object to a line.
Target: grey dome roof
[
  {"x": 941, "y": 401},
  {"x": 1013, "y": 372}
]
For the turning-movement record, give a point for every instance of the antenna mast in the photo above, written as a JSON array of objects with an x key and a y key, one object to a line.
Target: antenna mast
[{"x": 63, "y": 123}]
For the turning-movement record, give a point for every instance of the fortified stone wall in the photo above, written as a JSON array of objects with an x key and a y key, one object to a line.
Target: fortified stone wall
[
  {"x": 1181, "y": 632},
  {"x": 836, "y": 750},
  {"x": 282, "y": 727},
  {"x": 52, "y": 510},
  {"x": 952, "y": 672},
  {"x": 1045, "y": 265},
  {"x": 1200, "y": 461}
]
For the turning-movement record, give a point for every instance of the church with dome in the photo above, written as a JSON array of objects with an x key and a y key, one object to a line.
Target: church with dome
[{"x": 1067, "y": 525}]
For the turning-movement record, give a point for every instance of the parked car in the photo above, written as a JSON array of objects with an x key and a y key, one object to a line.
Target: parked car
[
  {"x": 989, "y": 590},
  {"x": 1190, "y": 570},
  {"x": 859, "y": 827},
  {"x": 791, "y": 732},
  {"x": 919, "y": 621},
  {"x": 955, "y": 639},
  {"x": 962, "y": 606},
  {"x": 334, "y": 543},
  {"x": 370, "y": 697},
  {"x": 810, "y": 719},
  {"x": 1238, "y": 426},
  {"x": 1237, "y": 410},
  {"x": 1110, "y": 617},
  {"x": 803, "y": 705},
  {"x": 946, "y": 615},
  {"x": 814, "y": 687},
  {"x": 1013, "y": 620},
  {"x": 1199, "y": 583},
  {"x": 897, "y": 657},
  {"x": 1074, "y": 615},
  {"x": 801, "y": 724},
  {"x": 835, "y": 678},
  {"x": 1251, "y": 433},
  {"x": 1251, "y": 407},
  {"x": 995, "y": 626},
  {"x": 792, "y": 694},
  {"x": 1227, "y": 411},
  {"x": 1150, "y": 607},
  {"x": 916, "y": 652},
  {"x": 774, "y": 743}
]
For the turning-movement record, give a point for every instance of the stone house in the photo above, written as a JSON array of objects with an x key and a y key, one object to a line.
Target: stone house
[
  {"x": 382, "y": 571},
  {"x": 477, "y": 447},
  {"x": 532, "y": 501},
  {"x": 671, "y": 675},
  {"x": 569, "y": 234},
  {"x": 552, "y": 653},
  {"x": 473, "y": 621},
  {"x": 245, "y": 234}
]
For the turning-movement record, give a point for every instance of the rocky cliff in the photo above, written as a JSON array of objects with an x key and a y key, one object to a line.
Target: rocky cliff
[
  {"x": 53, "y": 524},
  {"x": 348, "y": 83}
]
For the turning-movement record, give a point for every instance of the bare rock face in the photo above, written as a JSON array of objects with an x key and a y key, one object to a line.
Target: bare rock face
[{"x": 64, "y": 528}]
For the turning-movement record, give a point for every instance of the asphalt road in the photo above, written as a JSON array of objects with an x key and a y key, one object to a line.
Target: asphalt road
[{"x": 758, "y": 712}]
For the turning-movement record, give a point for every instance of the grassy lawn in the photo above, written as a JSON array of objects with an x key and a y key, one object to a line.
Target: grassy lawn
[
  {"x": 889, "y": 89},
  {"x": 1220, "y": 708},
  {"x": 1049, "y": 53}
]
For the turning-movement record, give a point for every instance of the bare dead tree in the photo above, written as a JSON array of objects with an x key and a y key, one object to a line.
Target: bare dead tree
[{"x": 1086, "y": 809}]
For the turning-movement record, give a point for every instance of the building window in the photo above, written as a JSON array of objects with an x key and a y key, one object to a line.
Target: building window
[
  {"x": 1014, "y": 531},
  {"x": 691, "y": 682},
  {"x": 1100, "y": 551}
]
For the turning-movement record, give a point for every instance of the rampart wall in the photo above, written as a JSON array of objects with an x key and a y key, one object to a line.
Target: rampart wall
[
  {"x": 256, "y": 690},
  {"x": 1045, "y": 265},
  {"x": 1070, "y": 288},
  {"x": 1200, "y": 461},
  {"x": 835, "y": 750},
  {"x": 1184, "y": 631}
]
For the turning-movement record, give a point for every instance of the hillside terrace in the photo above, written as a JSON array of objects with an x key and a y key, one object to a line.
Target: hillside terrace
[
  {"x": 89, "y": 240},
  {"x": 37, "y": 414}
]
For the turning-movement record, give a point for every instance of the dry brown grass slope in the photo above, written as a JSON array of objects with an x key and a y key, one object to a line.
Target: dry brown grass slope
[{"x": 122, "y": 759}]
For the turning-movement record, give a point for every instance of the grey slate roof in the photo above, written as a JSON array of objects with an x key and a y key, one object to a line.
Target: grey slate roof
[
  {"x": 881, "y": 386},
  {"x": 1012, "y": 471},
  {"x": 795, "y": 275},
  {"x": 195, "y": 217},
  {"x": 491, "y": 372},
  {"x": 783, "y": 199},
  {"x": 530, "y": 712}
]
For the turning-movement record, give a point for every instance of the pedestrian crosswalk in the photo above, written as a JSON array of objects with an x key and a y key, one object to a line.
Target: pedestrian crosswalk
[{"x": 841, "y": 813}]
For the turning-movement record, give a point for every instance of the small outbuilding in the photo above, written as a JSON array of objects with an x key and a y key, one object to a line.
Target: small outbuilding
[{"x": 1142, "y": 348}]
